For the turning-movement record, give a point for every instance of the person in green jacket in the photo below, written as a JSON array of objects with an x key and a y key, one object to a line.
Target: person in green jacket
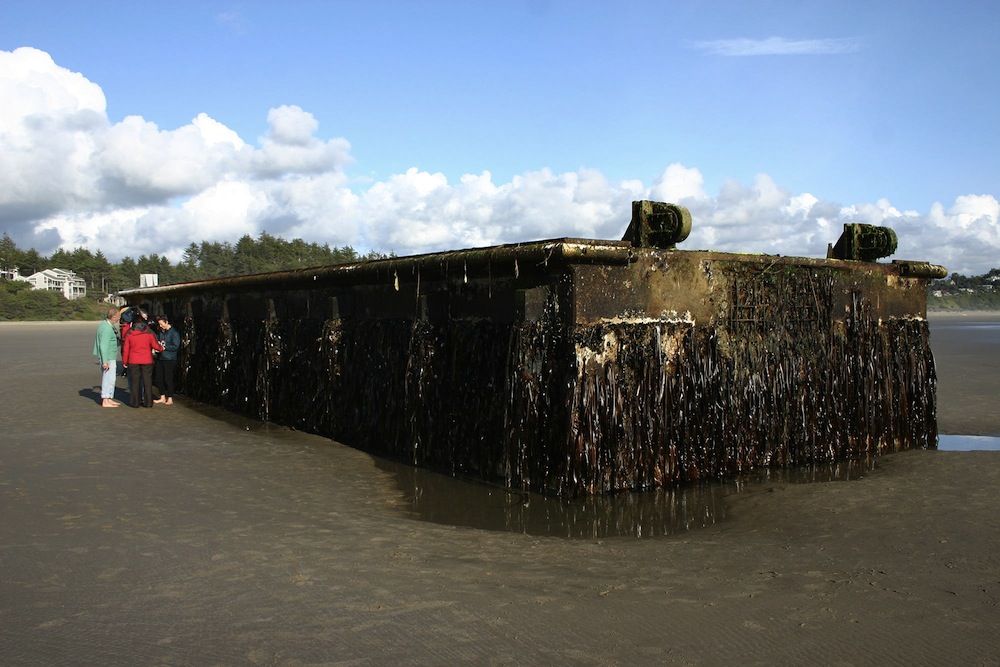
[{"x": 106, "y": 351}]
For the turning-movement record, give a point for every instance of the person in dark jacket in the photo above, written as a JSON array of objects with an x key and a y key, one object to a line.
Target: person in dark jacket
[
  {"x": 137, "y": 356},
  {"x": 166, "y": 361}
]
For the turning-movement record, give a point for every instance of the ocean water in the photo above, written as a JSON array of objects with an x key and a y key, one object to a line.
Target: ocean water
[
  {"x": 968, "y": 443},
  {"x": 967, "y": 355},
  {"x": 973, "y": 328}
]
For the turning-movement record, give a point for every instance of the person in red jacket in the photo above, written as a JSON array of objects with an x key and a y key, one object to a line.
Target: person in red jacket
[{"x": 137, "y": 356}]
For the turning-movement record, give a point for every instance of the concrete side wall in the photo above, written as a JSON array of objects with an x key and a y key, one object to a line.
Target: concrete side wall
[
  {"x": 463, "y": 377},
  {"x": 694, "y": 365}
]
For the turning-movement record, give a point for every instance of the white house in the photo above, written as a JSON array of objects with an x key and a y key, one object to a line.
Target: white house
[
  {"x": 10, "y": 274},
  {"x": 59, "y": 280}
]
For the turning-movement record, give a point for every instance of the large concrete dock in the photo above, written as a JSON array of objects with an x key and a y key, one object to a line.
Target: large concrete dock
[
  {"x": 180, "y": 536},
  {"x": 573, "y": 367}
]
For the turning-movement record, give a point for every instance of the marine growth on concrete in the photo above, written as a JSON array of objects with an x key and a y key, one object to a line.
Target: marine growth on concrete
[{"x": 574, "y": 366}]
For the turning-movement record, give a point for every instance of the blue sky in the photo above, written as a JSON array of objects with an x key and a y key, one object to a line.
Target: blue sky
[{"x": 851, "y": 102}]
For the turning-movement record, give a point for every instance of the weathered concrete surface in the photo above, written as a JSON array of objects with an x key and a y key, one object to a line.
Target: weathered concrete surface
[
  {"x": 195, "y": 541},
  {"x": 572, "y": 367}
]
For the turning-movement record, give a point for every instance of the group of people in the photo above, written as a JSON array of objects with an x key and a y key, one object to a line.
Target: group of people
[{"x": 148, "y": 354}]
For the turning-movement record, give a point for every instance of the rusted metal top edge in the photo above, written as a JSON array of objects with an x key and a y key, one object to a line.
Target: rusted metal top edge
[
  {"x": 507, "y": 260},
  {"x": 503, "y": 259},
  {"x": 906, "y": 268}
]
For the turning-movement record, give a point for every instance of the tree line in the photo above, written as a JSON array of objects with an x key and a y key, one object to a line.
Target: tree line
[
  {"x": 991, "y": 277},
  {"x": 200, "y": 261},
  {"x": 960, "y": 292}
]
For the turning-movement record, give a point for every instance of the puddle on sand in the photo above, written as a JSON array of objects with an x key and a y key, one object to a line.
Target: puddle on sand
[
  {"x": 430, "y": 496},
  {"x": 968, "y": 443}
]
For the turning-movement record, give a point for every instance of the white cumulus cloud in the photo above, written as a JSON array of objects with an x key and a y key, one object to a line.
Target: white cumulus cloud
[
  {"x": 61, "y": 158},
  {"x": 291, "y": 147},
  {"x": 679, "y": 183}
]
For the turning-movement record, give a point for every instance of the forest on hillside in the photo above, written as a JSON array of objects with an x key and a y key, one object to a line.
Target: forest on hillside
[
  {"x": 200, "y": 261},
  {"x": 959, "y": 292}
]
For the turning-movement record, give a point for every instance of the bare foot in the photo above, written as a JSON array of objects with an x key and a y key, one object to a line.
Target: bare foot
[
  {"x": 108, "y": 403},
  {"x": 160, "y": 400},
  {"x": 169, "y": 401}
]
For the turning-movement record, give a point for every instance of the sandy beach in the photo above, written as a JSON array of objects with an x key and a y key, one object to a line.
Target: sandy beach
[{"x": 187, "y": 536}]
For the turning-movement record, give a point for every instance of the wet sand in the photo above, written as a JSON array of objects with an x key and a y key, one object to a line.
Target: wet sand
[
  {"x": 966, "y": 346},
  {"x": 183, "y": 536}
]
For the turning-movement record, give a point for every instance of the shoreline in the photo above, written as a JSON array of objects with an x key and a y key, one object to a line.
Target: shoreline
[{"x": 963, "y": 314}]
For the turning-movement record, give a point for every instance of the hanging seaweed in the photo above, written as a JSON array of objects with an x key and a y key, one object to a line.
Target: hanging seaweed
[{"x": 661, "y": 369}]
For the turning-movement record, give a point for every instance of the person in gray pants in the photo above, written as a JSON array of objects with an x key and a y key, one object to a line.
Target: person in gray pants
[{"x": 106, "y": 351}]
